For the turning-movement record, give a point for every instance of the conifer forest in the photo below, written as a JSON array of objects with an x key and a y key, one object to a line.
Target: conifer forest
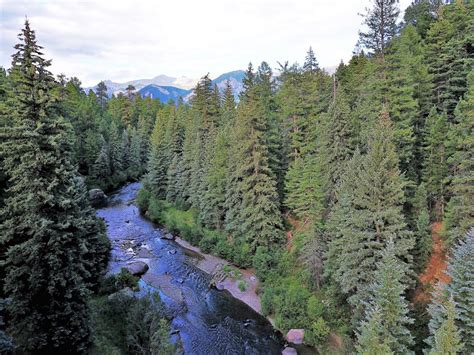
[{"x": 340, "y": 203}]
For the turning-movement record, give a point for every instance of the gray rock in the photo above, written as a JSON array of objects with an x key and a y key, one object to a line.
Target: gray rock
[
  {"x": 97, "y": 197},
  {"x": 295, "y": 336},
  {"x": 167, "y": 236},
  {"x": 137, "y": 268},
  {"x": 289, "y": 351}
]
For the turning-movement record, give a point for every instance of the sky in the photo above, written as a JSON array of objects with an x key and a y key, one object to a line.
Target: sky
[{"x": 125, "y": 40}]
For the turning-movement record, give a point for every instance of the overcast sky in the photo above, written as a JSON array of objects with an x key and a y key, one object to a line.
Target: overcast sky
[{"x": 124, "y": 40}]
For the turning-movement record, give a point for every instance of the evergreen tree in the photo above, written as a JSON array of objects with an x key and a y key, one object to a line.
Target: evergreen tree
[
  {"x": 101, "y": 169},
  {"x": 461, "y": 288},
  {"x": 381, "y": 21},
  {"x": 157, "y": 167},
  {"x": 421, "y": 229},
  {"x": 310, "y": 64},
  {"x": 446, "y": 339},
  {"x": 367, "y": 214},
  {"x": 460, "y": 212},
  {"x": 53, "y": 247},
  {"x": 253, "y": 201},
  {"x": 449, "y": 54},
  {"x": 435, "y": 167},
  {"x": 387, "y": 302},
  {"x": 371, "y": 340},
  {"x": 102, "y": 95}
]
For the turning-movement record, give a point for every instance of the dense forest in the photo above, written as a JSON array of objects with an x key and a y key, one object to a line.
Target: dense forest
[{"x": 327, "y": 185}]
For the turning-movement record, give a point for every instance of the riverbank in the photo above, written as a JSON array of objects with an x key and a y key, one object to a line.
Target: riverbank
[
  {"x": 210, "y": 264},
  {"x": 204, "y": 319}
]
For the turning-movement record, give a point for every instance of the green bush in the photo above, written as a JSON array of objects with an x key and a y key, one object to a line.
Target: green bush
[
  {"x": 114, "y": 283},
  {"x": 209, "y": 241},
  {"x": 242, "y": 255},
  {"x": 317, "y": 333},
  {"x": 142, "y": 200},
  {"x": 242, "y": 285}
]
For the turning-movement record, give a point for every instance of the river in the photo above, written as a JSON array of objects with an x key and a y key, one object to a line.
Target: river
[{"x": 208, "y": 321}]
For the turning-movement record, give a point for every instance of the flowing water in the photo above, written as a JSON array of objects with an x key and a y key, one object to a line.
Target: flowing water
[{"x": 207, "y": 321}]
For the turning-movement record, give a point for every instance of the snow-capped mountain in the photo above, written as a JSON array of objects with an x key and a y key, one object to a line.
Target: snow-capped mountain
[{"x": 165, "y": 88}]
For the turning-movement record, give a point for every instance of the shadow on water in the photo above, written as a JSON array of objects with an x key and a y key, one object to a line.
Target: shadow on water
[{"x": 208, "y": 321}]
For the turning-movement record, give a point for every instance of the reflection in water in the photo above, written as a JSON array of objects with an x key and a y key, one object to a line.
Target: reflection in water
[{"x": 209, "y": 321}]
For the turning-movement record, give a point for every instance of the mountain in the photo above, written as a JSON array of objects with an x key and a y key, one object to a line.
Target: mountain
[
  {"x": 163, "y": 93},
  {"x": 234, "y": 77},
  {"x": 165, "y": 88},
  {"x": 160, "y": 80}
]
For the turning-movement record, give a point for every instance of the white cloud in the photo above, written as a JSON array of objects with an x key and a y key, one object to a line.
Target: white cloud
[{"x": 124, "y": 40}]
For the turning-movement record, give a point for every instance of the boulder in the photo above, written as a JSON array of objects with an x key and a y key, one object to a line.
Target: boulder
[
  {"x": 167, "y": 236},
  {"x": 289, "y": 351},
  {"x": 137, "y": 268},
  {"x": 295, "y": 336},
  {"x": 97, "y": 197}
]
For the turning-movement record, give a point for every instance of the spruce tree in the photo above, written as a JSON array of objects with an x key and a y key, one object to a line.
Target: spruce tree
[
  {"x": 446, "y": 339},
  {"x": 371, "y": 340},
  {"x": 157, "y": 167},
  {"x": 461, "y": 288},
  {"x": 460, "y": 211},
  {"x": 387, "y": 302},
  {"x": 367, "y": 214},
  {"x": 310, "y": 64},
  {"x": 435, "y": 166},
  {"x": 449, "y": 54},
  {"x": 54, "y": 248},
  {"x": 381, "y": 21},
  {"x": 421, "y": 230},
  {"x": 102, "y": 95},
  {"x": 253, "y": 200}
]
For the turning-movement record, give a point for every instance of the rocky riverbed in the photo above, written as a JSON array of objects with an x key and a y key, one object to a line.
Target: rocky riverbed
[{"x": 206, "y": 320}]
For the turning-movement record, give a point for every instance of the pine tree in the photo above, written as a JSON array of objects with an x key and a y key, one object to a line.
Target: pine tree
[
  {"x": 254, "y": 214},
  {"x": 135, "y": 168},
  {"x": 371, "y": 340},
  {"x": 157, "y": 167},
  {"x": 435, "y": 167},
  {"x": 449, "y": 56},
  {"x": 337, "y": 140},
  {"x": 460, "y": 211},
  {"x": 421, "y": 230},
  {"x": 387, "y": 299},
  {"x": 367, "y": 214},
  {"x": 408, "y": 96},
  {"x": 54, "y": 248},
  {"x": 310, "y": 64},
  {"x": 102, "y": 95},
  {"x": 421, "y": 14},
  {"x": 101, "y": 169},
  {"x": 446, "y": 339},
  {"x": 461, "y": 288},
  {"x": 381, "y": 21}
]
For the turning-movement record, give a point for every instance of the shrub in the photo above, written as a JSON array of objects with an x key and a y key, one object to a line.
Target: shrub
[
  {"x": 209, "y": 241},
  {"x": 317, "y": 333},
  {"x": 146, "y": 328},
  {"x": 114, "y": 283},
  {"x": 242, "y": 285}
]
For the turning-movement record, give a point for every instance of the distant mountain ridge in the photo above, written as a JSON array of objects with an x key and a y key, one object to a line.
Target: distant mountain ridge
[{"x": 165, "y": 88}]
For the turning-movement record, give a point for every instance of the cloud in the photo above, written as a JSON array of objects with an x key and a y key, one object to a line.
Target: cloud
[{"x": 124, "y": 40}]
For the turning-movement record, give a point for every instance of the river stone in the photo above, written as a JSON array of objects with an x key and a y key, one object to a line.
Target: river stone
[
  {"x": 97, "y": 197},
  {"x": 289, "y": 351},
  {"x": 137, "y": 268},
  {"x": 167, "y": 236},
  {"x": 295, "y": 336}
]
